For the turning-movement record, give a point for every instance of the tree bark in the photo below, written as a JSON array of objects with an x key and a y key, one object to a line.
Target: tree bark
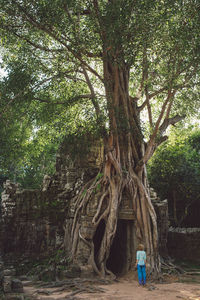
[{"x": 122, "y": 174}]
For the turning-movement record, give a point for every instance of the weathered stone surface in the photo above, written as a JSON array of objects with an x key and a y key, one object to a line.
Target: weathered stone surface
[
  {"x": 73, "y": 272},
  {"x": 30, "y": 225},
  {"x": 49, "y": 274},
  {"x": 1, "y": 271},
  {"x": 32, "y": 220},
  {"x": 126, "y": 214},
  {"x": 184, "y": 243},
  {"x": 9, "y": 272},
  {"x": 11, "y": 286},
  {"x": 7, "y": 284},
  {"x": 17, "y": 286},
  {"x": 161, "y": 209}
]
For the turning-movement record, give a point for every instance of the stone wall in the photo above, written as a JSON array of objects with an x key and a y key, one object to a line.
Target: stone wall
[
  {"x": 32, "y": 220},
  {"x": 161, "y": 209},
  {"x": 184, "y": 243}
]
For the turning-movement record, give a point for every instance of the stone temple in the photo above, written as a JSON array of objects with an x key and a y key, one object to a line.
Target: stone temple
[{"x": 34, "y": 222}]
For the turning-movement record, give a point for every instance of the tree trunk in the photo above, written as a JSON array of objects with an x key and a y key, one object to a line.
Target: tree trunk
[{"x": 123, "y": 174}]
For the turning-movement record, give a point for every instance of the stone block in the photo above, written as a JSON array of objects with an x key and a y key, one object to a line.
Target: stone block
[
  {"x": 184, "y": 243},
  {"x": 86, "y": 271},
  {"x": 7, "y": 284},
  {"x": 126, "y": 214},
  {"x": 9, "y": 272},
  {"x": 73, "y": 272},
  {"x": 17, "y": 286}
]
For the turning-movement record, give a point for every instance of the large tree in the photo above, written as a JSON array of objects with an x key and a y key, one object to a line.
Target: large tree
[{"x": 133, "y": 60}]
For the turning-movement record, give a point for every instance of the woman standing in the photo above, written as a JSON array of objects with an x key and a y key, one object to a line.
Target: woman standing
[{"x": 140, "y": 263}]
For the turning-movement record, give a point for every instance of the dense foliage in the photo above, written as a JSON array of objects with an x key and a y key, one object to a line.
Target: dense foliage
[
  {"x": 52, "y": 53},
  {"x": 174, "y": 172},
  {"x": 31, "y": 132}
]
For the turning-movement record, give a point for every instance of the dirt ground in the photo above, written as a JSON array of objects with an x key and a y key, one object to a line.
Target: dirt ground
[{"x": 125, "y": 288}]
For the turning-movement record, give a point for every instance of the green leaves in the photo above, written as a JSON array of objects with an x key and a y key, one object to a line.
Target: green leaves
[
  {"x": 55, "y": 54},
  {"x": 174, "y": 172}
]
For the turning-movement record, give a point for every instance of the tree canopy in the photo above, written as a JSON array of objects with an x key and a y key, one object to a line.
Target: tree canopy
[
  {"x": 57, "y": 49},
  {"x": 53, "y": 53}
]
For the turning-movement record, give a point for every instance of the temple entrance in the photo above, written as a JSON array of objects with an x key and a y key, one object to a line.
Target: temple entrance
[
  {"x": 122, "y": 252},
  {"x": 98, "y": 238},
  {"x": 117, "y": 258}
]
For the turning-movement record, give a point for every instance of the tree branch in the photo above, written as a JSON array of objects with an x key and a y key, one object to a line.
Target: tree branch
[
  {"x": 151, "y": 142},
  {"x": 157, "y": 92},
  {"x": 93, "y": 96},
  {"x": 87, "y": 96},
  {"x": 34, "y": 44},
  {"x": 24, "y": 92},
  {"x": 148, "y": 107},
  {"x": 97, "y": 12},
  {"x": 50, "y": 32},
  {"x": 169, "y": 121}
]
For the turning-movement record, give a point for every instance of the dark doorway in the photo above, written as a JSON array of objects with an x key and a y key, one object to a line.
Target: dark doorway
[
  {"x": 98, "y": 236},
  {"x": 118, "y": 252},
  {"x": 121, "y": 250}
]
